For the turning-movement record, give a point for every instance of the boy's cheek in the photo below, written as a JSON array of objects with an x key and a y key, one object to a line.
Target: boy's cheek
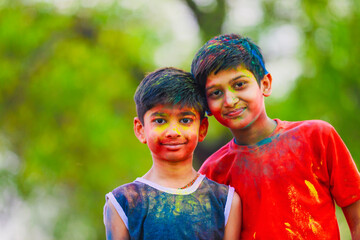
[
  {"x": 214, "y": 108},
  {"x": 225, "y": 122},
  {"x": 216, "y": 112},
  {"x": 154, "y": 147},
  {"x": 221, "y": 121}
]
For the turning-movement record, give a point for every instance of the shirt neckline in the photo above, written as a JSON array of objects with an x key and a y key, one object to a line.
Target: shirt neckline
[
  {"x": 176, "y": 191},
  {"x": 261, "y": 143}
]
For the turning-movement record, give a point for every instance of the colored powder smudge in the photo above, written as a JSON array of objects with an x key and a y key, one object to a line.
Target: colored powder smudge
[
  {"x": 294, "y": 235},
  {"x": 303, "y": 219},
  {"x": 312, "y": 190},
  {"x": 175, "y": 129},
  {"x": 315, "y": 226},
  {"x": 289, "y": 230},
  {"x": 177, "y": 209},
  {"x": 264, "y": 141},
  {"x": 296, "y": 210}
]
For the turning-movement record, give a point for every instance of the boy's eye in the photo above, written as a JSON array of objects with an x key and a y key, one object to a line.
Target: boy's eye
[
  {"x": 186, "y": 120},
  {"x": 214, "y": 94},
  {"x": 239, "y": 84},
  {"x": 159, "y": 121}
]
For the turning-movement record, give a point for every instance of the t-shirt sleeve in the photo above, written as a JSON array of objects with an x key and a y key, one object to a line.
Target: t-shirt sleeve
[
  {"x": 228, "y": 203},
  {"x": 344, "y": 175},
  {"x": 204, "y": 169},
  {"x": 110, "y": 197},
  {"x": 210, "y": 168}
]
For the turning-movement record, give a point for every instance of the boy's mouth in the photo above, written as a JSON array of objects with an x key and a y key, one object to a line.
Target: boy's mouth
[
  {"x": 234, "y": 113},
  {"x": 173, "y": 145}
]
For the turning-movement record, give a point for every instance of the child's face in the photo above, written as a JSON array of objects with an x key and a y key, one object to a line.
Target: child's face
[
  {"x": 171, "y": 132},
  {"x": 235, "y": 98}
]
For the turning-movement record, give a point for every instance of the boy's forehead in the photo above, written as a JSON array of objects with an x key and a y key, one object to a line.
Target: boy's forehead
[
  {"x": 238, "y": 69},
  {"x": 178, "y": 109}
]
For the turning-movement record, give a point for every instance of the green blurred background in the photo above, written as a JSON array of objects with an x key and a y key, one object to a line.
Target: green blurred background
[{"x": 69, "y": 69}]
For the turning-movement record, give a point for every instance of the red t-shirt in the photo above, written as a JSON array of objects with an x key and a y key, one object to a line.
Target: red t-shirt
[{"x": 288, "y": 181}]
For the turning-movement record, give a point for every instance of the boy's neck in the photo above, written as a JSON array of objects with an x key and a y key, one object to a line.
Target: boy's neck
[
  {"x": 258, "y": 131},
  {"x": 171, "y": 174}
]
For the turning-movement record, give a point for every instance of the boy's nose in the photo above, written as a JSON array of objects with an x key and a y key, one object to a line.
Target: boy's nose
[
  {"x": 230, "y": 99},
  {"x": 172, "y": 132}
]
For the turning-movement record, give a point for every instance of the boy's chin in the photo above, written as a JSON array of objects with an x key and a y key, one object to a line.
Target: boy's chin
[{"x": 235, "y": 124}]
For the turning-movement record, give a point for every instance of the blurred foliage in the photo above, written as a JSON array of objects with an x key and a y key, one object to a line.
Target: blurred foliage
[
  {"x": 328, "y": 87},
  {"x": 66, "y": 95},
  {"x": 210, "y": 16},
  {"x": 66, "y": 104}
]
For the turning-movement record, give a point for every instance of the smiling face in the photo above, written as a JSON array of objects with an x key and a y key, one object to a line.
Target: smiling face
[
  {"x": 171, "y": 132},
  {"x": 235, "y": 98}
]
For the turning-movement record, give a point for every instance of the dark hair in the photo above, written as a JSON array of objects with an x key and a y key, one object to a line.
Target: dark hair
[
  {"x": 168, "y": 86},
  {"x": 227, "y": 51}
]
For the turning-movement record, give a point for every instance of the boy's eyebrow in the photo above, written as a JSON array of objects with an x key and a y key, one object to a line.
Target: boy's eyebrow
[
  {"x": 158, "y": 114},
  {"x": 237, "y": 77},
  {"x": 231, "y": 80},
  {"x": 187, "y": 113}
]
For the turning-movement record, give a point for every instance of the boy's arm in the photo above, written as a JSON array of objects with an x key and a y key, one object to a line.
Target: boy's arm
[
  {"x": 114, "y": 225},
  {"x": 352, "y": 215},
  {"x": 233, "y": 226}
]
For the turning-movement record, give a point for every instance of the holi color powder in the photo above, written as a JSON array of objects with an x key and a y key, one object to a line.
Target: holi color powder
[
  {"x": 312, "y": 190},
  {"x": 302, "y": 218},
  {"x": 225, "y": 52}
]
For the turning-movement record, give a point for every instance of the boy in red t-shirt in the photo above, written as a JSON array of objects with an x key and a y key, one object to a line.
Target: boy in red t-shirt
[{"x": 288, "y": 174}]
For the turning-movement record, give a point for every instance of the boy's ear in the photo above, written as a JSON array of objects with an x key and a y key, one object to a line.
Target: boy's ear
[
  {"x": 139, "y": 130},
  {"x": 266, "y": 83},
  {"x": 203, "y": 129}
]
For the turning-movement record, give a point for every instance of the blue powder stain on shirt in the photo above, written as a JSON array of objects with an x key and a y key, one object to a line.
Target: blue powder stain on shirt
[
  {"x": 267, "y": 140},
  {"x": 264, "y": 141}
]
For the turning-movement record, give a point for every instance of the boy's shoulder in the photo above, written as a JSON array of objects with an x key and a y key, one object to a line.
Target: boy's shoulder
[
  {"x": 306, "y": 128},
  {"x": 215, "y": 186},
  {"x": 308, "y": 124},
  {"x": 210, "y": 189},
  {"x": 129, "y": 190},
  {"x": 222, "y": 151},
  {"x": 209, "y": 166}
]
